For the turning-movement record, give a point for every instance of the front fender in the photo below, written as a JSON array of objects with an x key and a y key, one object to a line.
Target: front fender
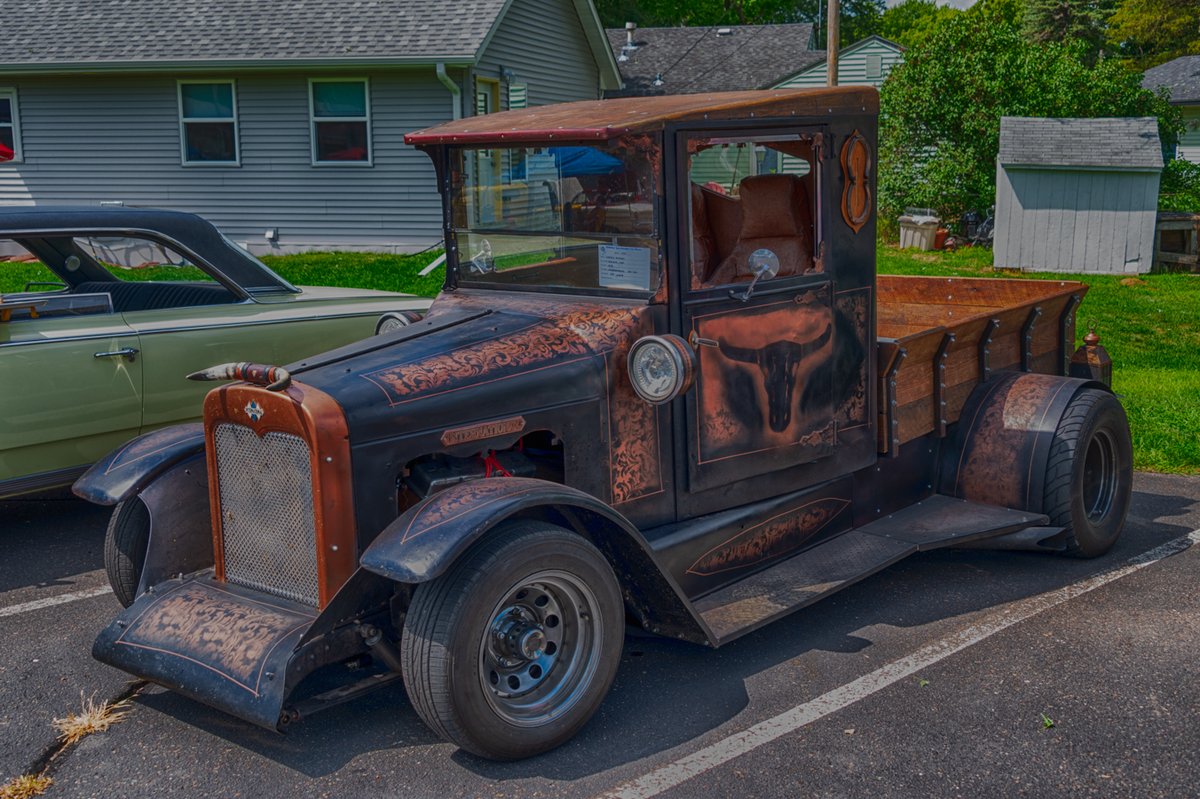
[
  {"x": 1001, "y": 445},
  {"x": 423, "y": 543},
  {"x": 127, "y": 470}
]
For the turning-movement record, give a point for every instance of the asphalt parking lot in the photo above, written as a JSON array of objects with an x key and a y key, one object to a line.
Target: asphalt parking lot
[{"x": 938, "y": 677}]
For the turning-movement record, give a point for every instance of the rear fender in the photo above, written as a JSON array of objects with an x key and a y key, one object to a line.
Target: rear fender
[
  {"x": 126, "y": 471},
  {"x": 423, "y": 543},
  {"x": 1001, "y": 444}
]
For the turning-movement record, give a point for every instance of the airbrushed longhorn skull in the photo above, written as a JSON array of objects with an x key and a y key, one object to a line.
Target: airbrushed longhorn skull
[{"x": 778, "y": 362}]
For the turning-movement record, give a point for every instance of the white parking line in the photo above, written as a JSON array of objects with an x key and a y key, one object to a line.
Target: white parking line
[
  {"x": 669, "y": 776},
  {"x": 51, "y": 601}
]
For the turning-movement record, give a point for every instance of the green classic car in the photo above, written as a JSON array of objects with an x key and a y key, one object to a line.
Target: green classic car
[{"x": 99, "y": 353}]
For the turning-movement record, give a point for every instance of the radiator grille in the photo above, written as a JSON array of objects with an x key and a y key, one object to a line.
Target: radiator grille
[{"x": 267, "y": 523}]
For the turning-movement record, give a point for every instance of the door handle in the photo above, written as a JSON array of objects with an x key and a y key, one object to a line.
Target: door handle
[{"x": 124, "y": 352}]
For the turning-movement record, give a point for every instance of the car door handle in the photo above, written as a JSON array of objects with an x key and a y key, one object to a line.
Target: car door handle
[{"x": 124, "y": 352}]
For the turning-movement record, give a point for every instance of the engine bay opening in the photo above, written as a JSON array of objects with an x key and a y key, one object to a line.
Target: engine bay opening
[{"x": 538, "y": 454}]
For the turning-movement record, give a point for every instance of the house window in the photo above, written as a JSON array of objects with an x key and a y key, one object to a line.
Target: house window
[
  {"x": 208, "y": 122},
  {"x": 341, "y": 121},
  {"x": 874, "y": 67},
  {"x": 10, "y": 135}
]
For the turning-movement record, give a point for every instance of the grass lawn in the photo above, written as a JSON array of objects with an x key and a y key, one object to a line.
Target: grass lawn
[{"x": 1150, "y": 325}]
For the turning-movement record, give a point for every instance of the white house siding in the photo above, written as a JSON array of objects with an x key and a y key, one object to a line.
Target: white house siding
[
  {"x": 544, "y": 44},
  {"x": 1189, "y": 142},
  {"x": 1060, "y": 220},
  {"x": 852, "y": 67},
  {"x": 92, "y": 139}
]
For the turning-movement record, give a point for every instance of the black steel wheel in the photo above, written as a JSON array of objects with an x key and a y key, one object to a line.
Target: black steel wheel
[
  {"x": 125, "y": 545},
  {"x": 510, "y": 652},
  {"x": 1089, "y": 478}
]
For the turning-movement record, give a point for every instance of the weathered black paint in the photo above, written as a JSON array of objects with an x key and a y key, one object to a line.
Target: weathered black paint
[{"x": 125, "y": 471}]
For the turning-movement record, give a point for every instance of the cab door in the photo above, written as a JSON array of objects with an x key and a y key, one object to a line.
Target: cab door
[{"x": 763, "y": 399}]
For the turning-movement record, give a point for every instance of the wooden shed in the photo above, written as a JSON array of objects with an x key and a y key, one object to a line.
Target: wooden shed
[{"x": 1077, "y": 195}]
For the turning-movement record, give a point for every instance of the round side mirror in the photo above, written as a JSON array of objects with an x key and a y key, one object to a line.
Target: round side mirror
[{"x": 763, "y": 264}]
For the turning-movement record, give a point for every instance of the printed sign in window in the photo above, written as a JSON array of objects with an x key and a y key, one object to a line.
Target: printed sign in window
[{"x": 625, "y": 267}]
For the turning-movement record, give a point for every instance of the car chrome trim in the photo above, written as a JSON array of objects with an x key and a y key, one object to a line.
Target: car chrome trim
[
  {"x": 40, "y": 481},
  {"x": 182, "y": 329}
]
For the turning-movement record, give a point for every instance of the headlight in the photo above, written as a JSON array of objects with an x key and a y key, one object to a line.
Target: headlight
[{"x": 661, "y": 368}]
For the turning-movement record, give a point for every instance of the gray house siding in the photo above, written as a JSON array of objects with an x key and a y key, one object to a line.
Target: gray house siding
[
  {"x": 92, "y": 139},
  {"x": 853, "y": 66},
  {"x": 1075, "y": 220},
  {"x": 531, "y": 40}
]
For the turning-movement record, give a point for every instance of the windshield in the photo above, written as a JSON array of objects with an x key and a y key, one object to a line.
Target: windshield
[{"x": 562, "y": 217}]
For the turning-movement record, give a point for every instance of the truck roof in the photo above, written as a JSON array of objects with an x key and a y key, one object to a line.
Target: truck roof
[{"x": 606, "y": 119}]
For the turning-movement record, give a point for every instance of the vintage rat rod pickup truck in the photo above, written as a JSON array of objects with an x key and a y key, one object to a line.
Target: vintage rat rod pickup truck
[{"x": 662, "y": 387}]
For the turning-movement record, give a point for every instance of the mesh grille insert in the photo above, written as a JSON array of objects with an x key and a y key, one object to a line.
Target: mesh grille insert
[{"x": 267, "y": 523}]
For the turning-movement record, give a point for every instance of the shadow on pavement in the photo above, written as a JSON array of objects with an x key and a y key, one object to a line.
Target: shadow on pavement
[
  {"x": 668, "y": 693},
  {"x": 47, "y": 541}
]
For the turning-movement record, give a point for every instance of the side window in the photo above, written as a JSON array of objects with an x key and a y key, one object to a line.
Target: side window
[
  {"x": 341, "y": 121},
  {"x": 208, "y": 123},
  {"x": 30, "y": 290},
  {"x": 749, "y": 194},
  {"x": 10, "y": 132},
  {"x": 134, "y": 260}
]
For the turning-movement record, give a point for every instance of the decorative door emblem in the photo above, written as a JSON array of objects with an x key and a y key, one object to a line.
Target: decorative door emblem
[
  {"x": 254, "y": 410},
  {"x": 856, "y": 181}
]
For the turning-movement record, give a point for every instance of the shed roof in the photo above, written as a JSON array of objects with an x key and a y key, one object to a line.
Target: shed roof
[
  {"x": 1181, "y": 78},
  {"x": 712, "y": 59},
  {"x": 1126, "y": 143},
  {"x": 94, "y": 35},
  {"x": 598, "y": 120}
]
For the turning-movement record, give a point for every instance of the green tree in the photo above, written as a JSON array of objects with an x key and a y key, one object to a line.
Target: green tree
[
  {"x": 940, "y": 110},
  {"x": 1060, "y": 20},
  {"x": 913, "y": 21},
  {"x": 1151, "y": 32}
]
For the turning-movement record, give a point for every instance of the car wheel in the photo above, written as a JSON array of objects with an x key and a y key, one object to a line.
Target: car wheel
[
  {"x": 125, "y": 548},
  {"x": 510, "y": 653},
  {"x": 1089, "y": 477},
  {"x": 395, "y": 320}
]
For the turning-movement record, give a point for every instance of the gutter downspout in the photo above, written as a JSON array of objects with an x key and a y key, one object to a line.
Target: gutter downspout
[{"x": 452, "y": 87}]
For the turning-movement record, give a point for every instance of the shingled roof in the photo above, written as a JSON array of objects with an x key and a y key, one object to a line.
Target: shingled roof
[
  {"x": 712, "y": 59},
  {"x": 73, "y": 34},
  {"x": 1129, "y": 143},
  {"x": 1181, "y": 77}
]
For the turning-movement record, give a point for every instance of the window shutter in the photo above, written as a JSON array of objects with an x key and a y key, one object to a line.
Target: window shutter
[{"x": 518, "y": 95}]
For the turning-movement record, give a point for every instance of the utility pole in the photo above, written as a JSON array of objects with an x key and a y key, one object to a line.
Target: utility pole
[{"x": 832, "y": 37}]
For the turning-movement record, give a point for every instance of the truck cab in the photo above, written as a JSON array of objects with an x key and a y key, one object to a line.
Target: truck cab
[{"x": 662, "y": 387}]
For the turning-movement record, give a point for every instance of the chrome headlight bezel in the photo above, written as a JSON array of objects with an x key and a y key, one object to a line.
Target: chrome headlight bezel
[{"x": 672, "y": 354}]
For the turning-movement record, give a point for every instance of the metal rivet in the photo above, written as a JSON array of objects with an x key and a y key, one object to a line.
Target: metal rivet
[{"x": 329, "y": 459}]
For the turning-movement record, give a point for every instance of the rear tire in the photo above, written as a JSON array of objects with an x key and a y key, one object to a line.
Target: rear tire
[
  {"x": 1089, "y": 477},
  {"x": 125, "y": 545},
  {"x": 510, "y": 652}
]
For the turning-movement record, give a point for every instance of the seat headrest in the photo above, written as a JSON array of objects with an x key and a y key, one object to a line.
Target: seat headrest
[{"x": 771, "y": 206}]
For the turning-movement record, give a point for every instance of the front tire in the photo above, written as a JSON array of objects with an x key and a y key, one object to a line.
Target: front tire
[
  {"x": 125, "y": 544},
  {"x": 1089, "y": 477},
  {"x": 510, "y": 652}
]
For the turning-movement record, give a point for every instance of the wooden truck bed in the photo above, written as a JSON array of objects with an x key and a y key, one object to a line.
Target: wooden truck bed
[{"x": 938, "y": 337}]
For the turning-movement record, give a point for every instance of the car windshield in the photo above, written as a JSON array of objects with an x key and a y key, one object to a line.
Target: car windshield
[{"x": 571, "y": 217}]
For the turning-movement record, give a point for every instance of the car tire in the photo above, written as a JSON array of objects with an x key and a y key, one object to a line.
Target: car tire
[
  {"x": 510, "y": 652},
  {"x": 1089, "y": 477},
  {"x": 125, "y": 545}
]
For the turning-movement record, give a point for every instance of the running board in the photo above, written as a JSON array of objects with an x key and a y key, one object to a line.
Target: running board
[{"x": 803, "y": 579}]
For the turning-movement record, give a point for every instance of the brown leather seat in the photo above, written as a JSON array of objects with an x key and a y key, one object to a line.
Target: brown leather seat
[{"x": 776, "y": 215}]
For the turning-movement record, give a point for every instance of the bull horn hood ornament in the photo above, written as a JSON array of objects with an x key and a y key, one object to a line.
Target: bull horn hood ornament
[{"x": 274, "y": 378}]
